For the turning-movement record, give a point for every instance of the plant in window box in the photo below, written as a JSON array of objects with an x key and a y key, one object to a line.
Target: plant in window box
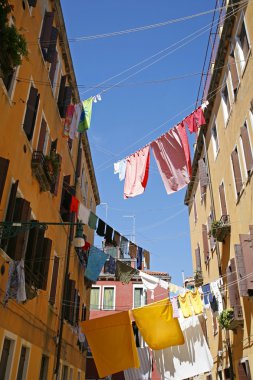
[
  {"x": 225, "y": 319},
  {"x": 13, "y": 43},
  {"x": 219, "y": 229},
  {"x": 53, "y": 164},
  {"x": 198, "y": 278}
]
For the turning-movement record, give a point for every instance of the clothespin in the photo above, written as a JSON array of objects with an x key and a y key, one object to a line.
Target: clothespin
[{"x": 204, "y": 105}]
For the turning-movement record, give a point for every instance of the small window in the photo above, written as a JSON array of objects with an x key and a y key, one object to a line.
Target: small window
[
  {"x": 10, "y": 81},
  {"x": 215, "y": 140},
  {"x": 108, "y": 298},
  {"x": 31, "y": 112},
  {"x": 44, "y": 367},
  {"x": 227, "y": 373},
  {"x": 140, "y": 296},
  {"x": 195, "y": 209},
  {"x": 237, "y": 171},
  {"x": 225, "y": 101},
  {"x": 43, "y": 138},
  {"x": 244, "y": 370},
  {"x": 242, "y": 43},
  {"x": 6, "y": 358},
  {"x": 95, "y": 298},
  {"x": 223, "y": 203},
  {"x": 65, "y": 371},
  {"x": 54, "y": 280},
  {"x": 247, "y": 150},
  {"x": 78, "y": 375},
  {"x": 71, "y": 374},
  {"x": 23, "y": 363}
]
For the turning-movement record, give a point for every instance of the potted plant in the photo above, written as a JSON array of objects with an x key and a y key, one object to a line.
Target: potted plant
[
  {"x": 198, "y": 278},
  {"x": 219, "y": 229},
  {"x": 13, "y": 43},
  {"x": 53, "y": 164},
  {"x": 225, "y": 318}
]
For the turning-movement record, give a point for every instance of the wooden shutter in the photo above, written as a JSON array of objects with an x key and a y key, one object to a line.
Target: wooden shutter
[
  {"x": 251, "y": 233},
  {"x": 232, "y": 284},
  {"x": 32, "y": 3},
  {"x": 223, "y": 199},
  {"x": 43, "y": 129},
  {"x": 61, "y": 94},
  {"x": 247, "y": 251},
  {"x": 31, "y": 253},
  {"x": 57, "y": 180},
  {"x": 242, "y": 372},
  {"x": 46, "y": 29},
  {"x": 237, "y": 171},
  {"x": 71, "y": 301},
  {"x": 47, "y": 245},
  {"x": 21, "y": 363},
  {"x": 31, "y": 110},
  {"x": 4, "y": 164},
  {"x": 83, "y": 312},
  {"x": 195, "y": 209},
  {"x": 12, "y": 202},
  {"x": 53, "y": 67},
  {"x": 205, "y": 243},
  {"x": 38, "y": 258},
  {"x": 198, "y": 258},
  {"x": 233, "y": 70},
  {"x": 54, "y": 280},
  {"x": 4, "y": 357},
  {"x": 211, "y": 238},
  {"x": 66, "y": 100},
  {"x": 247, "y": 148},
  {"x": 52, "y": 46},
  {"x": 77, "y": 308},
  {"x": 241, "y": 272},
  {"x": 79, "y": 161},
  {"x": 16, "y": 244},
  {"x": 203, "y": 177}
]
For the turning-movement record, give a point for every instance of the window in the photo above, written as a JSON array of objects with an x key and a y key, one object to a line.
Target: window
[
  {"x": 225, "y": 101},
  {"x": 44, "y": 367},
  {"x": 205, "y": 243},
  {"x": 6, "y": 358},
  {"x": 203, "y": 177},
  {"x": 198, "y": 259},
  {"x": 23, "y": 363},
  {"x": 95, "y": 298},
  {"x": 227, "y": 374},
  {"x": 195, "y": 209},
  {"x": 237, "y": 171},
  {"x": 54, "y": 280},
  {"x": 78, "y": 375},
  {"x": 223, "y": 204},
  {"x": 31, "y": 112},
  {"x": 43, "y": 137},
  {"x": 247, "y": 150},
  {"x": 10, "y": 81},
  {"x": 84, "y": 186},
  {"x": 233, "y": 72},
  {"x": 71, "y": 374},
  {"x": 66, "y": 198},
  {"x": 4, "y": 165},
  {"x": 242, "y": 43},
  {"x": 215, "y": 140},
  {"x": 83, "y": 318},
  {"x": 140, "y": 296},
  {"x": 108, "y": 298},
  {"x": 64, "y": 96},
  {"x": 48, "y": 37},
  {"x": 244, "y": 370},
  {"x": 65, "y": 370}
]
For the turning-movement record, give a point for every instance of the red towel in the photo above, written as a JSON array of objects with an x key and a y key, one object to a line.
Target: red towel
[{"x": 74, "y": 204}]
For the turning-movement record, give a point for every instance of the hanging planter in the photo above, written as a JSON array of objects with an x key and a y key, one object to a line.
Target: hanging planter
[
  {"x": 198, "y": 278},
  {"x": 220, "y": 228},
  {"x": 225, "y": 318},
  {"x": 13, "y": 43}
]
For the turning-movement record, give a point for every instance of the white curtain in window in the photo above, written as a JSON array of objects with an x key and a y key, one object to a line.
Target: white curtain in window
[
  {"x": 108, "y": 298},
  {"x": 94, "y": 299}
]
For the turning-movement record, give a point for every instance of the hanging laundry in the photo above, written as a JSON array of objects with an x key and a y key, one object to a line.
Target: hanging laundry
[
  {"x": 195, "y": 120},
  {"x": 120, "y": 169},
  {"x": 170, "y": 158},
  {"x": 68, "y": 118},
  {"x": 85, "y": 118},
  {"x": 96, "y": 261},
  {"x": 112, "y": 344},
  {"x": 183, "y": 135},
  {"x": 215, "y": 289},
  {"x": 146, "y": 255},
  {"x": 150, "y": 282},
  {"x": 145, "y": 370},
  {"x": 191, "y": 359},
  {"x": 137, "y": 171},
  {"x": 112, "y": 251},
  {"x": 75, "y": 121},
  {"x": 93, "y": 221},
  {"x": 174, "y": 304},
  {"x": 74, "y": 204},
  {"x": 185, "y": 304},
  {"x": 157, "y": 326},
  {"x": 124, "y": 246},
  {"x": 136, "y": 334},
  {"x": 111, "y": 267},
  {"x": 132, "y": 250},
  {"x": 83, "y": 213},
  {"x": 139, "y": 257},
  {"x": 116, "y": 238},
  {"x": 86, "y": 246},
  {"x": 208, "y": 297},
  {"x": 15, "y": 288},
  {"x": 101, "y": 227},
  {"x": 195, "y": 299},
  {"x": 108, "y": 234},
  {"x": 124, "y": 272}
]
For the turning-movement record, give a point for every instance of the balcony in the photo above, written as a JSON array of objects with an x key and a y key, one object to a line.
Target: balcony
[
  {"x": 237, "y": 320},
  {"x": 45, "y": 169},
  {"x": 220, "y": 229}
]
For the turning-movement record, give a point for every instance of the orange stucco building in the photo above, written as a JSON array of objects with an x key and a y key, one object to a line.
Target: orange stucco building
[{"x": 39, "y": 172}]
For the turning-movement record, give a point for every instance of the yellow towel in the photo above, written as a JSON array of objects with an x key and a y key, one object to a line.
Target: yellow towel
[
  {"x": 195, "y": 298},
  {"x": 112, "y": 343},
  {"x": 185, "y": 304},
  {"x": 157, "y": 326}
]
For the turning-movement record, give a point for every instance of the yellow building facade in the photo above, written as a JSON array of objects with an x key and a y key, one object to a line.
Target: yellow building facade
[
  {"x": 221, "y": 191},
  {"x": 40, "y": 170}
]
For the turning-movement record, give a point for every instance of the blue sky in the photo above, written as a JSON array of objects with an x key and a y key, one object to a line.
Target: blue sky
[{"x": 131, "y": 114}]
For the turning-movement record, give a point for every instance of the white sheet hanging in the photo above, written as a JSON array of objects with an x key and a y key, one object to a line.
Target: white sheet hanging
[{"x": 145, "y": 370}]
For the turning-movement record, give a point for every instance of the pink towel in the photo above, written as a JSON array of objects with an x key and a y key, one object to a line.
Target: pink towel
[
  {"x": 171, "y": 161},
  {"x": 195, "y": 120},
  {"x": 183, "y": 135},
  {"x": 137, "y": 170}
]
